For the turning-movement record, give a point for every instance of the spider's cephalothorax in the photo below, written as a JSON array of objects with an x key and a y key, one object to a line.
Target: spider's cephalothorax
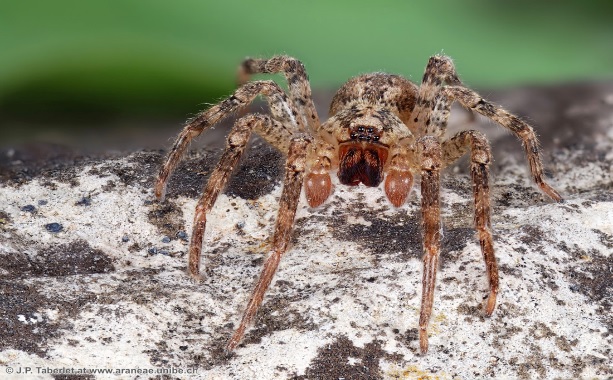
[{"x": 381, "y": 127}]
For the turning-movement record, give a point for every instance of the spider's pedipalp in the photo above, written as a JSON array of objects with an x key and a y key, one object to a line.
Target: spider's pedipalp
[
  {"x": 480, "y": 158},
  {"x": 298, "y": 82},
  {"x": 430, "y": 157},
  {"x": 399, "y": 177},
  {"x": 241, "y": 98},
  {"x": 398, "y": 185},
  {"x": 292, "y": 185},
  {"x": 318, "y": 184},
  {"x": 470, "y": 99}
]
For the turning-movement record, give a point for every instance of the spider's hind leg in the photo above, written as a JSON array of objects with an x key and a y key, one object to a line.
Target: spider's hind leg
[
  {"x": 298, "y": 83},
  {"x": 281, "y": 109},
  {"x": 432, "y": 107},
  {"x": 470, "y": 99},
  {"x": 480, "y": 158}
]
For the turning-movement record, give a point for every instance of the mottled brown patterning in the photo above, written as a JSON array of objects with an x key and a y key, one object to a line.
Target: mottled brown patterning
[{"x": 381, "y": 127}]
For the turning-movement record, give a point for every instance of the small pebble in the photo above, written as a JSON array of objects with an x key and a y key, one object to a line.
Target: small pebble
[
  {"x": 28, "y": 208},
  {"x": 165, "y": 239},
  {"x": 152, "y": 251},
  {"x": 164, "y": 252},
  {"x": 54, "y": 227},
  {"x": 240, "y": 225},
  {"x": 182, "y": 235},
  {"x": 125, "y": 239},
  {"x": 42, "y": 202},
  {"x": 85, "y": 201}
]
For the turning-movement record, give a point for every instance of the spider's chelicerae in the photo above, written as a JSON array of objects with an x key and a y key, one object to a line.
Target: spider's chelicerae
[{"x": 381, "y": 127}]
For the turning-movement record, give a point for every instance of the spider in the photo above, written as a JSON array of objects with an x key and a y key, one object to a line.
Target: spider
[{"x": 382, "y": 128}]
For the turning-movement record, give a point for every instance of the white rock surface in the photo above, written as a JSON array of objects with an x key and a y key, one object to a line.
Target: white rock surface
[{"x": 110, "y": 291}]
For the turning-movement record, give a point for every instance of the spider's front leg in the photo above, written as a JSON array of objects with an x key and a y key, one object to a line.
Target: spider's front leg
[
  {"x": 292, "y": 185},
  {"x": 430, "y": 157}
]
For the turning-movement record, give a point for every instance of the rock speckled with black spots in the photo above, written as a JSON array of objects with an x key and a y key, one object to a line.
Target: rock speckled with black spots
[{"x": 345, "y": 301}]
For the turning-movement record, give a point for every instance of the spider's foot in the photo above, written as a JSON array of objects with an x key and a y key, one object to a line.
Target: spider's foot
[
  {"x": 491, "y": 304},
  {"x": 231, "y": 346},
  {"x": 196, "y": 277},
  {"x": 160, "y": 191},
  {"x": 423, "y": 340},
  {"x": 227, "y": 353},
  {"x": 236, "y": 338},
  {"x": 551, "y": 193}
]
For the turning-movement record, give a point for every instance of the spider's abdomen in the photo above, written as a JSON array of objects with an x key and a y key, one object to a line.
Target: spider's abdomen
[
  {"x": 385, "y": 90},
  {"x": 361, "y": 163}
]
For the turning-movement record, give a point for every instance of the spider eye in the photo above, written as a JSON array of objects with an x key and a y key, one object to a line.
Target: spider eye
[
  {"x": 360, "y": 129},
  {"x": 370, "y": 130}
]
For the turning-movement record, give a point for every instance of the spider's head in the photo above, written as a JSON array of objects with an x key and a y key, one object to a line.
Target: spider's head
[
  {"x": 364, "y": 135},
  {"x": 362, "y": 158},
  {"x": 363, "y": 146}
]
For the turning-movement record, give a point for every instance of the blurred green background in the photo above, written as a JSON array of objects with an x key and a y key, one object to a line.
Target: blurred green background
[{"x": 74, "y": 69}]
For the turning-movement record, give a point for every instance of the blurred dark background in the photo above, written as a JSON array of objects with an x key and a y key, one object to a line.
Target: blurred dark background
[{"x": 125, "y": 74}]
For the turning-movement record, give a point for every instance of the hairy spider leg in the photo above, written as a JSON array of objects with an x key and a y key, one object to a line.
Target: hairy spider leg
[
  {"x": 318, "y": 184},
  {"x": 430, "y": 157},
  {"x": 280, "y": 108},
  {"x": 521, "y": 129},
  {"x": 292, "y": 186},
  {"x": 428, "y": 122},
  {"x": 298, "y": 83},
  {"x": 480, "y": 158},
  {"x": 431, "y": 109},
  {"x": 434, "y": 102},
  {"x": 440, "y": 87},
  {"x": 235, "y": 147}
]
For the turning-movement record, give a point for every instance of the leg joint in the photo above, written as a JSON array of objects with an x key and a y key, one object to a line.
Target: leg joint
[{"x": 430, "y": 153}]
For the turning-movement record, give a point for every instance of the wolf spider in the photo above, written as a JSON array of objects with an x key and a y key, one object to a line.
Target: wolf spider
[{"x": 381, "y": 127}]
